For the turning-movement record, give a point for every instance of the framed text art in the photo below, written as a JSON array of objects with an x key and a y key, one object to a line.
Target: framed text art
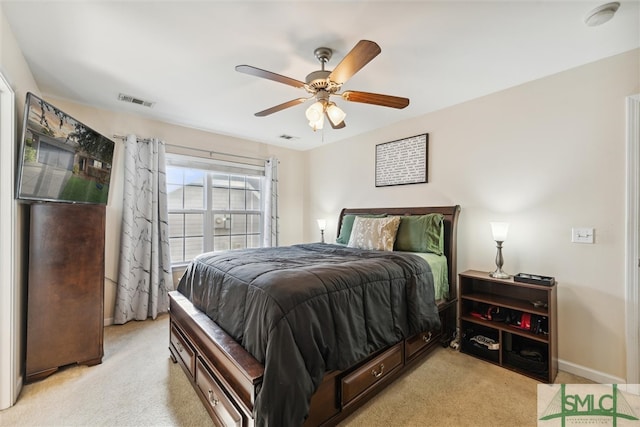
[{"x": 403, "y": 161}]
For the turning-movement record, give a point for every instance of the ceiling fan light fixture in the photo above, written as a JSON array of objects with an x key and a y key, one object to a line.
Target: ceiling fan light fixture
[
  {"x": 315, "y": 112},
  {"x": 317, "y": 124},
  {"x": 335, "y": 114},
  {"x": 601, "y": 14}
]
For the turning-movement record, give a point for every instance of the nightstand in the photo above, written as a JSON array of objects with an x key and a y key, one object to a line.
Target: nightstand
[{"x": 510, "y": 324}]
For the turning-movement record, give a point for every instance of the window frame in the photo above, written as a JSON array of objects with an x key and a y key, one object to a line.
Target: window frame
[{"x": 211, "y": 167}]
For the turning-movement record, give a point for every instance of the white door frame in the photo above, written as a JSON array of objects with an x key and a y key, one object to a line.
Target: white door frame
[
  {"x": 9, "y": 341},
  {"x": 632, "y": 267}
]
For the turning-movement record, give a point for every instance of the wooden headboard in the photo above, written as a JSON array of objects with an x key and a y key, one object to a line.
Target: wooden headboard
[{"x": 450, "y": 214}]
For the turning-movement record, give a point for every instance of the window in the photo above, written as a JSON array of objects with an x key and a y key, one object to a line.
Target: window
[{"x": 213, "y": 206}]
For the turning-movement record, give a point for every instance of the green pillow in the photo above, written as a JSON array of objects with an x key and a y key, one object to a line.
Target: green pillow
[
  {"x": 423, "y": 233},
  {"x": 347, "y": 226}
]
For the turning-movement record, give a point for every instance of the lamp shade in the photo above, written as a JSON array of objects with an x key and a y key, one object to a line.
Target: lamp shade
[
  {"x": 315, "y": 112},
  {"x": 315, "y": 125},
  {"x": 336, "y": 115},
  {"x": 499, "y": 230},
  {"x": 322, "y": 224}
]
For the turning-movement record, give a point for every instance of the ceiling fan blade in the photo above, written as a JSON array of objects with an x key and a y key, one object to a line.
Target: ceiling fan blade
[
  {"x": 281, "y": 107},
  {"x": 358, "y": 57},
  {"x": 248, "y": 69},
  {"x": 375, "y": 99}
]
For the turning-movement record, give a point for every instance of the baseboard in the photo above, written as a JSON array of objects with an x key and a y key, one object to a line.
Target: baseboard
[
  {"x": 108, "y": 321},
  {"x": 588, "y": 373}
]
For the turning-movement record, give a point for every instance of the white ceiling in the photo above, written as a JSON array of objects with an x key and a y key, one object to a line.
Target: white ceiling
[{"x": 181, "y": 55}]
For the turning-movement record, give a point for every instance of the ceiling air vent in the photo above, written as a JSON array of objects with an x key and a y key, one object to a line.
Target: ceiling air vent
[
  {"x": 132, "y": 99},
  {"x": 288, "y": 137}
]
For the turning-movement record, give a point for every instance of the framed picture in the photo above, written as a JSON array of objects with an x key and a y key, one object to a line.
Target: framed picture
[{"x": 403, "y": 161}]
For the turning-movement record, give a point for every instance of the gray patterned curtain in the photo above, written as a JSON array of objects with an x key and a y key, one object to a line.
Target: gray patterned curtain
[
  {"x": 270, "y": 230},
  {"x": 144, "y": 277}
]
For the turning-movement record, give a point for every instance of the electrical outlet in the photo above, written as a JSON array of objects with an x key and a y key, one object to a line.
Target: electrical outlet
[{"x": 582, "y": 235}]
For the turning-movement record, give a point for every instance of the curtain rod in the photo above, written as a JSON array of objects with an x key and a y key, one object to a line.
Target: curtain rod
[{"x": 210, "y": 152}]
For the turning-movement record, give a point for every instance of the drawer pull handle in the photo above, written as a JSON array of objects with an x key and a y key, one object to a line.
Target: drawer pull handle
[
  {"x": 427, "y": 338},
  {"x": 180, "y": 348},
  {"x": 379, "y": 372},
  {"x": 212, "y": 398}
]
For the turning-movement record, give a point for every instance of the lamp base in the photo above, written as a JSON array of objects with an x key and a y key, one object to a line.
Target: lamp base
[{"x": 499, "y": 274}]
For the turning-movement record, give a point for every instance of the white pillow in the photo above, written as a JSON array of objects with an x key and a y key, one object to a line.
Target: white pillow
[{"x": 374, "y": 233}]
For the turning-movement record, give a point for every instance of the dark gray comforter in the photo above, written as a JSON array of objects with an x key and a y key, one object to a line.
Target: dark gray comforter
[{"x": 305, "y": 309}]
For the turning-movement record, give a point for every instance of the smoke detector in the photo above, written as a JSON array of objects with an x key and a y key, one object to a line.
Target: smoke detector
[{"x": 601, "y": 14}]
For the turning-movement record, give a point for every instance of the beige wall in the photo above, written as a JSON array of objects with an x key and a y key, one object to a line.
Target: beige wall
[
  {"x": 109, "y": 123},
  {"x": 14, "y": 67},
  {"x": 545, "y": 156}
]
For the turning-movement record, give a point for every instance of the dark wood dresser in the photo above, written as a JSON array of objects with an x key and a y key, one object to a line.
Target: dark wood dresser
[{"x": 65, "y": 297}]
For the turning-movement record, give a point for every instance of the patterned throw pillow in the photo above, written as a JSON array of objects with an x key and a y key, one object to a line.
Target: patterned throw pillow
[
  {"x": 347, "y": 226},
  {"x": 374, "y": 233}
]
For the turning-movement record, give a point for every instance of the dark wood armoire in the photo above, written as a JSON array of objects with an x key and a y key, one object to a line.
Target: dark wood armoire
[{"x": 65, "y": 296}]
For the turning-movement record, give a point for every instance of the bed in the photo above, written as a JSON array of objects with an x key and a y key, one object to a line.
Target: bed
[{"x": 322, "y": 326}]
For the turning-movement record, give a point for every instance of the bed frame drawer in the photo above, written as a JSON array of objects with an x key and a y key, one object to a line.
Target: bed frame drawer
[
  {"x": 419, "y": 342},
  {"x": 183, "y": 348},
  {"x": 371, "y": 373},
  {"x": 218, "y": 404}
]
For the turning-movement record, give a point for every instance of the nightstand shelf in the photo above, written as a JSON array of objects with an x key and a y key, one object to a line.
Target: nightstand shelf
[
  {"x": 505, "y": 302},
  {"x": 506, "y": 328},
  {"x": 501, "y": 311}
]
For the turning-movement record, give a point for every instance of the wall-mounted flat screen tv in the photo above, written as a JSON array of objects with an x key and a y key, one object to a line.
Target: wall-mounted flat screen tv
[{"x": 61, "y": 159}]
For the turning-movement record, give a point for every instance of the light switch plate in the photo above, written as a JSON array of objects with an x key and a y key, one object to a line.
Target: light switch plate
[{"x": 582, "y": 235}]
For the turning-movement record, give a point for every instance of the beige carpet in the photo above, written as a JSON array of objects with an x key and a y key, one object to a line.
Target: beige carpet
[{"x": 138, "y": 385}]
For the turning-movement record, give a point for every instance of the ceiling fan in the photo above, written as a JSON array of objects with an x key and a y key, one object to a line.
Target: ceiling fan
[{"x": 322, "y": 84}]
